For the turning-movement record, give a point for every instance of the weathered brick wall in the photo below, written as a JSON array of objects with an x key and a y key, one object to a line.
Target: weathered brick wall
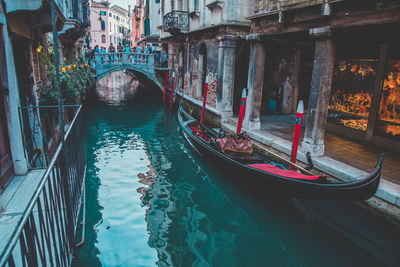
[{"x": 191, "y": 72}]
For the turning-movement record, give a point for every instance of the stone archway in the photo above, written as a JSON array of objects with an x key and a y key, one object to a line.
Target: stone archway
[{"x": 149, "y": 75}]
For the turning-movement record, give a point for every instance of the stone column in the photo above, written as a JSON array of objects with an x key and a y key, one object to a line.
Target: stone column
[
  {"x": 226, "y": 74},
  {"x": 255, "y": 83},
  {"x": 321, "y": 81},
  {"x": 13, "y": 120}
]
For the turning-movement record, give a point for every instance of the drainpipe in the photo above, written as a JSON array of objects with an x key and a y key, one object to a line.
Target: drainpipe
[{"x": 56, "y": 67}]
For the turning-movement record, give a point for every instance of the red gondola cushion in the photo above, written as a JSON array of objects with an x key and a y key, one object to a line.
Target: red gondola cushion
[
  {"x": 278, "y": 171},
  {"x": 199, "y": 133}
]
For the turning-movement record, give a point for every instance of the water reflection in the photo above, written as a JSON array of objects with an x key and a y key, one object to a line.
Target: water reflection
[{"x": 116, "y": 87}]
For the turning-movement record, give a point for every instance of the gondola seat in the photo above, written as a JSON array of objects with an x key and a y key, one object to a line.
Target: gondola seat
[{"x": 286, "y": 173}]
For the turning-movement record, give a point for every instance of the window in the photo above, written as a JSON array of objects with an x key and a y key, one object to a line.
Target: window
[
  {"x": 103, "y": 25},
  {"x": 109, "y": 14},
  {"x": 388, "y": 124},
  {"x": 353, "y": 83},
  {"x": 103, "y": 38},
  {"x": 110, "y": 27},
  {"x": 352, "y": 86},
  {"x": 103, "y": 13}
]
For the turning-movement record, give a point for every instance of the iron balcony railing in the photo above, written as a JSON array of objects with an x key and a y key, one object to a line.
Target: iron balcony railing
[
  {"x": 176, "y": 22},
  {"x": 45, "y": 233}
]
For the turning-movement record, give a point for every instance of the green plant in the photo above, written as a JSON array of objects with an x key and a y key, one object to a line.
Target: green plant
[{"x": 74, "y": 80}]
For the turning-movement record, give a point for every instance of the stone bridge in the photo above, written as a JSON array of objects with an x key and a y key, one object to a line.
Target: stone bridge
[{"x": 139, "y": 63}]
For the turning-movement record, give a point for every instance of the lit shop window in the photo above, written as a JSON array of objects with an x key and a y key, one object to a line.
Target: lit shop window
[
  {"x": 352, "y": 87},
  {"x": 388, "y": 123}
]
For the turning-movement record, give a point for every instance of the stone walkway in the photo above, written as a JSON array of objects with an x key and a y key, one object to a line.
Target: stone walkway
[{"x": 356, "y": 154}]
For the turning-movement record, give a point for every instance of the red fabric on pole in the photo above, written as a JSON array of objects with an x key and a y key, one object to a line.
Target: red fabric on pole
[
  {"x": 296, "y": 137},
  {"x": 165, "y": 86},
  {"x": 172, "y": 93},
  {"x": 241, "y": 114},
  {"x": 204, "y": 103},
  {"x": 286, "y": 173}
]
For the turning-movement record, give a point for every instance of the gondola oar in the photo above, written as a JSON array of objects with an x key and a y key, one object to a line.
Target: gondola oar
[
  {"x": 297, "y": 129},
  {"x": 242, "y": 109},
  {"x": 172, "y": 91},
  {"x": 204, "y": 100},
  {"x": 165, "y": 86}
]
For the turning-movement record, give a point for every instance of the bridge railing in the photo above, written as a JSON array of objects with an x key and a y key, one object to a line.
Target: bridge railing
[{"x": 124, "y": 58}]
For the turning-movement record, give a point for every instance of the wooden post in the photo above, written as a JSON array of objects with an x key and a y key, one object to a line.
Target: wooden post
[
  {"x": 165, "y": 86},
  {"x": 242, "y": 109},
  {"x": 297, "y": 130},
  {"x": 376, "y": 95},
  {"x": 171, "y": 97},
  {"x": 204, "y": 100}
]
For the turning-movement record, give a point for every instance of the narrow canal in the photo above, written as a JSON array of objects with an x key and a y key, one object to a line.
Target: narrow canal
[{"x": 151, "y": 201}]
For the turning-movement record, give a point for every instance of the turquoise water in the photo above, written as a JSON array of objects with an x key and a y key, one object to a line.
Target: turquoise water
[{"x": 151, "y": 201}]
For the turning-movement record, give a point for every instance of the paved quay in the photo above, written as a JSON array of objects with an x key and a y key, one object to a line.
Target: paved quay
[{"x": 344, "y": 159}]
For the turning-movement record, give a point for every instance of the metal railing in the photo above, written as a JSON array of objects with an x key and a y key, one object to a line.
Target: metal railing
[
  {"x": 40, "y": 132},
  {"x": 176, "y": 21},
  {"x": 45, "y": 233}
]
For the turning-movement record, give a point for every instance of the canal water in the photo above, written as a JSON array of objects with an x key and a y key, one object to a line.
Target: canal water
[{"x": 151, "y": 201}]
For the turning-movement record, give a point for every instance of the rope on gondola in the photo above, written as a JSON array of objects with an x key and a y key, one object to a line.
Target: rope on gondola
[{"x": 278, "y": 165}]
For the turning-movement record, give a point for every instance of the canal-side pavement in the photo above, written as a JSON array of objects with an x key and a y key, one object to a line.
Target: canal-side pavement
[{"x": 387, "y": 198}]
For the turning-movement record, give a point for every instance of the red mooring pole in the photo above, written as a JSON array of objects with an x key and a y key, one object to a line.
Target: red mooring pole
[
  {"x": 297, "y": 129},
  {"x": 172, "y": 91},
  {"x": 204, "y": 100},
  {"x": 165, "y": 86},
  {"x": 242, "y": 109}
]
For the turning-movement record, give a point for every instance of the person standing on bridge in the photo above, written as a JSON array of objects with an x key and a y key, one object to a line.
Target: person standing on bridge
[
  {"x": 120, "y": 49},
  {"x": 128, "y": 49},
  {"x": 147, "y": 50},
  {"x": 139, "y": 50},
  {"x": 102, "y": 51},
  {"x": 111, "y": 49},
  {"x": 165, "y": 59}
]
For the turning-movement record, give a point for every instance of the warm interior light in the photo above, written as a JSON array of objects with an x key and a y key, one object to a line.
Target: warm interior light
[{"x": 39, "y": 49}]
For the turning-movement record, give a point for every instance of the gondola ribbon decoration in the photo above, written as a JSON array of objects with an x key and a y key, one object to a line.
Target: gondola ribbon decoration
[
  {"x": 172, "y": 91},
  {"x": 165, "y": 86},
  {"x": 204, "y": 100},
  {"x": 297, "y": 129},
  {"x": 242, "y": 109}
]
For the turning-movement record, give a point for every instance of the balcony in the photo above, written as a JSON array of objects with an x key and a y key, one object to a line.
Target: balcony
[{"x": 176, "y": 22}]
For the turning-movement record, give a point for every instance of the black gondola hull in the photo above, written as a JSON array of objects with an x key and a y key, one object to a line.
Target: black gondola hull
[{"x": 346, "y": 191}]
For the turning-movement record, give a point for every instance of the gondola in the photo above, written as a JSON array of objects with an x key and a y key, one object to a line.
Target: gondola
[{"x": 262, "y": 172}]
